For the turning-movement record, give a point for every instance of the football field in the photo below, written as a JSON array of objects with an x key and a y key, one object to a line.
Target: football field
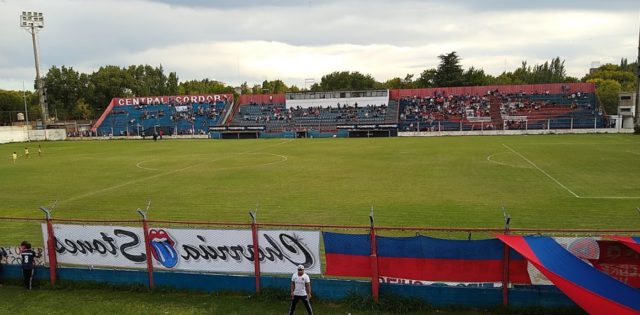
[{"x": 569, "y": 181}]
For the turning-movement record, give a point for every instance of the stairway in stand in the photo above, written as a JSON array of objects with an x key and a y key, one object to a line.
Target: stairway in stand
[{"x": 494, "y": 111}]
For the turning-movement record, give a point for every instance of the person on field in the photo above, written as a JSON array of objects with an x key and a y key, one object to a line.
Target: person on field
[
  {"x": 300, "y": 290},
  {"x": 27, "y": 259},
  {"x": 14, "y": 156},
  {"x": 39, "y": 150},
  {"x": 3, "y": 255},
  {"x": 26, "y": 152}
]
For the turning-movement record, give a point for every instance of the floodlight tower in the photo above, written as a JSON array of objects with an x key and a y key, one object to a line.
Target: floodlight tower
[{"x": 33, "y": 22}]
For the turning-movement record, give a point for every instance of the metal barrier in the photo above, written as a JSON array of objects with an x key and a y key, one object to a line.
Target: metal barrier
[{"x": 246, "y": 247}]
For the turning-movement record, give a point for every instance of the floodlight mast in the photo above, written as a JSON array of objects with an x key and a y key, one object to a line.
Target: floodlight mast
[{"x": 32, "y": 22}]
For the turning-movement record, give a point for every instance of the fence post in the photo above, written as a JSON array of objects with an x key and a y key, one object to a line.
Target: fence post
[
  {"x": 256, "y": 250},
  {"x": 375, "y": 280},
  {"x": 51, "y": 248},
  {"x": 147, "y": 246},
  {"x": 505, "y": 260}
]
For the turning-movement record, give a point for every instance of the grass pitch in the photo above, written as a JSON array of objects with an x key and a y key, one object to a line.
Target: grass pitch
[{"x": 572, "y": 181}]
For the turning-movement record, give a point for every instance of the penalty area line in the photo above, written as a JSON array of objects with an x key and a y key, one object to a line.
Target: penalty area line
[
  {"x": 542, "y": 171},
  {"x": 559, "y": 183}
]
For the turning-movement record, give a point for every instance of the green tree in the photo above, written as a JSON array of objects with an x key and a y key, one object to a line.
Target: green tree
[
  {"x": 426, "y": 79},
  {"x": 273, "y": 87},
  {"x": 11, "y": 102},
  {"x": 204, "y": 86},
  {"x": 64, "y": 87},
  {"x": 476, "y": 77},
  {"x": 612, "y": 79},
  {"x": 82, "y": 110},
  {"x": 106, "y": 83},
  {"x": 244, "y": 88},
  {"x": 399, "y": 83},
  {"x": 346, "y": 80},
  {"x": 172, "y": 84},
  {"x": 294, "y": 89},
  {"x": 146, "y": 80},
  {"x": 622, "y": 75},
  {"x": 256, "y": 89},
  {"x": 607, "y": 91},
  {"x": 549, "y": 72},
  {"x": 449, "y": 72}
]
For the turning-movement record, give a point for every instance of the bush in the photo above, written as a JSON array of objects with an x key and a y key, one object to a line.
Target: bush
[{"x": 636, "y": 129}]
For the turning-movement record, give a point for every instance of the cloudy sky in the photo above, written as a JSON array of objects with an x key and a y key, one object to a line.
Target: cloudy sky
[{"x": 253, "y": 40}]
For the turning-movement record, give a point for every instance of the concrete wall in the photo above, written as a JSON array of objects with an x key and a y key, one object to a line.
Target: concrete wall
[
  {"x": 165, "y": 137},
  {"x": 331, "y": 289},
  {"x": 512, "y": 132},
  {"x": 22, "y": 134},
  {"x": 13, "y": 134}
]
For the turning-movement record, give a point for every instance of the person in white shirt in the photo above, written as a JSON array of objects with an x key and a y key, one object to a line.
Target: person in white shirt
[{"x": 300, "y": 290}]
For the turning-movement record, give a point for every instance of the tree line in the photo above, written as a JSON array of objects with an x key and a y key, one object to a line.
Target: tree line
[{"x": 74, "y": 95}]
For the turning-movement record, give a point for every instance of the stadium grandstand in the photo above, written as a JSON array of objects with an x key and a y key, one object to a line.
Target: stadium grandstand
[
  {"x": 370, "y": 113},
  {"x": 169, "y": 115}
]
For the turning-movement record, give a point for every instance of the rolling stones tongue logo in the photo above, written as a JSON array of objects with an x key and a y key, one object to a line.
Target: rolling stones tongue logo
[{"x": 163, "y": 248}]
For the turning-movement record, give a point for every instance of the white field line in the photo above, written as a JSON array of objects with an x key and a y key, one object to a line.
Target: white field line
[
  {"x": 138, "y": 165},
  {"x": 542, "y": 171},
  {"x": 95, "y": 192},
  {"x": 562, "y": 185},
  {"x": 489, "y": 158},
  {"x": 610, "y": 197}
]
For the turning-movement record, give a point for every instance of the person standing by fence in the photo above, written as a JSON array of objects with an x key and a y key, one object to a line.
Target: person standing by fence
[
  {"x": 27, "y": 258},
  {"x": 3, "y": 255},
  {"x": 300, "y": 290}
]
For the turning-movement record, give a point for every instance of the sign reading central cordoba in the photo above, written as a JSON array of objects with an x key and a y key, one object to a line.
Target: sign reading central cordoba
[{"x": 188, "y": 250}]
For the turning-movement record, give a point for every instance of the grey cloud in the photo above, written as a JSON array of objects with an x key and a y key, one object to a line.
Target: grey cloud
[
  {"x": 221, "y": 4},
  {"x": 88, "y": 35}
]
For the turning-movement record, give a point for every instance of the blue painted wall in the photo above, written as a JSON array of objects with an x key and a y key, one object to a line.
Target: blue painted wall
[{"x": 522, "y": 296}]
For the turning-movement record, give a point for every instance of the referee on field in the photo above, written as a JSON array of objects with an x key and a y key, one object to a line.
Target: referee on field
[{"x": 300, "y": 290}]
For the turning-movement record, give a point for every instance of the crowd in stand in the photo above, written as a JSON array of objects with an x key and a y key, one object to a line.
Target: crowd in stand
[
  {"x": 340, "y": 113},
  {"x": 444, "y": 107},
  {"x": 189, "y": 114},
  {"x": 441, "y": 106},
  {"x": 523, "y": 104}
]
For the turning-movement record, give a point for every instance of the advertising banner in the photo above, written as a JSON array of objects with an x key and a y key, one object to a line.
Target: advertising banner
[{"x": 225, "y": 251}]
